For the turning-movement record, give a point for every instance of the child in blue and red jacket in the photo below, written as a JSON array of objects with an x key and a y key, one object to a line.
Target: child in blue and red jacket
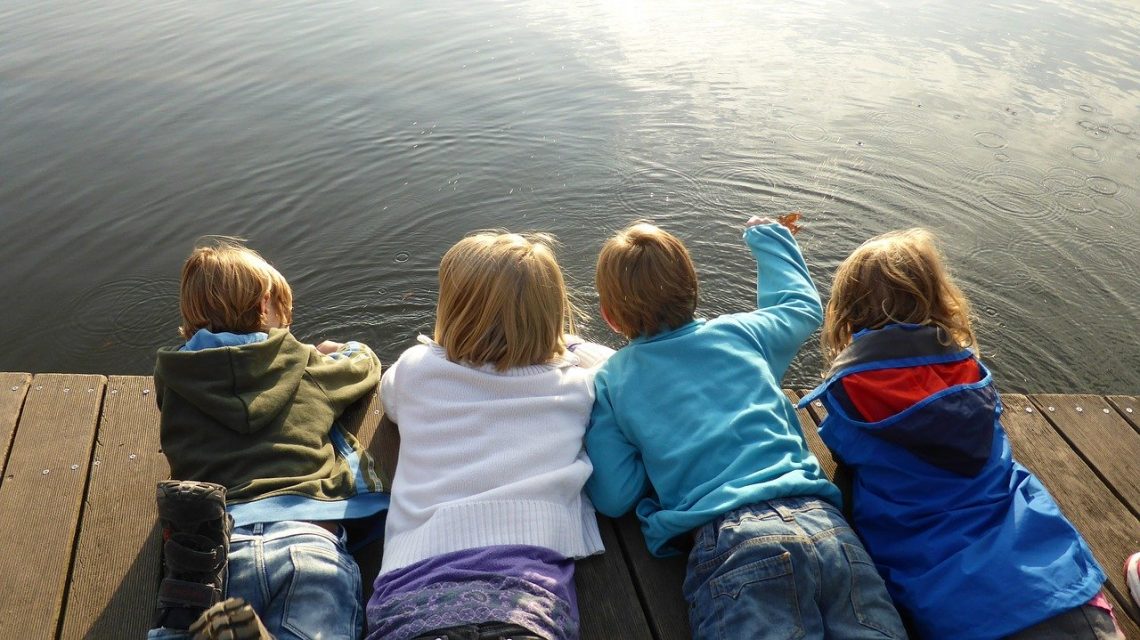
[{"x": 970, "y": 543}]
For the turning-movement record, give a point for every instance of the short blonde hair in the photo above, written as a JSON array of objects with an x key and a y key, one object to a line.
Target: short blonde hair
[
  {"x": 646, "y": 281},
  {"x": 898, "y": 277},
  {"x": 223, "y": 284},
  {"x": 502, "y": 301}
]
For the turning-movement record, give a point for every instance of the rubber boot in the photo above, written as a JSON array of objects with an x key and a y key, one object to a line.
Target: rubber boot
[
  {"x": 230, "y": 619},
  {"x": 196, "y": 543}
]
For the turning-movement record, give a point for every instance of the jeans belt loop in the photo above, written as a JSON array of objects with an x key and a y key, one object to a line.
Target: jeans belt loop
[{"x": 786, "y": 514}]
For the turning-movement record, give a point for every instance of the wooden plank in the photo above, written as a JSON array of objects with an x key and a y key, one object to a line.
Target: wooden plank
[
  {"x": 809, "y": 422},
  {"x": 1127, "y": 406},
  {"x": 42, "y": 498},
  {"x": 658, "y": 582},
  {"x": 607, "y": 599},
  {"x": 1102, "y": 437},
  {"x": 13, "y": 390},
  {"x": 118, "y": 556},
  {"x": 1109, "y": 527}
]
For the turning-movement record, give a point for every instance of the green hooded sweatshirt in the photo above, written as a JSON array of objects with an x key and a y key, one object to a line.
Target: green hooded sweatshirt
[{"x": 260, "y": 419}]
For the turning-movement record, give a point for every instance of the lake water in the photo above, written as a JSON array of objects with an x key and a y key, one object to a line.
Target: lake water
[{"x": 353, "y": 142}]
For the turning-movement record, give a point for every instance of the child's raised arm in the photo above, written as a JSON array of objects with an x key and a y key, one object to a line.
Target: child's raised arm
[{"x": 787, "y": 303}]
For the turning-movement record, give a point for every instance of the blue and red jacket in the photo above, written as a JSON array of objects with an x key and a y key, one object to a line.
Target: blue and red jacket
[{"x": 970, "y": 543}]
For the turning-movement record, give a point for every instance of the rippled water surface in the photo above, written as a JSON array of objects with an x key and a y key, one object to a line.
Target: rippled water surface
[{"x": 352, "y": 142}]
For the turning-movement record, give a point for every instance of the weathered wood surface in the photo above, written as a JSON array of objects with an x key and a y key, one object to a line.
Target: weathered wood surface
[
  {"x": 13, "y": 389},
  {"x": 42, "y": 499},
  {"x": 117, "y": 561},
  {"x": 80, "y": 551}
]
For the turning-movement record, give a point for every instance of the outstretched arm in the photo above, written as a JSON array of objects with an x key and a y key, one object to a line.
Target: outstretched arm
[{"x": 788, "y": 309}]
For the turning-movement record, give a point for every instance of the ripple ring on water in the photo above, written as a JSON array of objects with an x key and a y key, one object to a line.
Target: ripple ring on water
[
  {"x": 990, "y": 140},
  {"x": 1122, "y": 128},
  {"x": 1013, "y": 183},
  {"x": 1061, "y": 178},
  {"x": 1103, "y": 185},
  {"x": 1087, "y": 108},
  {"x": 403, "y": 256},
  {"x": 1075, "y": 201},
  {"x": 649, "y": 190},
  {"x": 807, "y": 132},
  {"x": 1018, "y": 204},
  {"x": 1086, "y": 153},
  {"x": 133, "y": 312},
  {"x": 1114, "y": 207}
]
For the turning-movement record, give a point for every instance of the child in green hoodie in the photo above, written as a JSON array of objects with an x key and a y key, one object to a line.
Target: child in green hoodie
[{"x": 248, "y": 425}]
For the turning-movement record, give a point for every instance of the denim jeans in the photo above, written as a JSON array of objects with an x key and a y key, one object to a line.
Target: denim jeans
[
  {"x": 299, "y": 578},
  {"x": 785, "y": 569},
  {"x": 1083, "y": 623}
]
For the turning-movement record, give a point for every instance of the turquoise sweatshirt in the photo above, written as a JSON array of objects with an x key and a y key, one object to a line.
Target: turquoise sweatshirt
[{"x": 691, "y": 423}]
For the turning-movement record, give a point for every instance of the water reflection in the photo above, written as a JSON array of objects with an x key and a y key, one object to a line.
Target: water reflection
[{"x": 354, "y": 141}]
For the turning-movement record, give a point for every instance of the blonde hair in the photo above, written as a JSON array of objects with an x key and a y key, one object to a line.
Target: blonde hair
[
  {"x": 223, "y": 284},
  {"x": 646, "y": 281},
  {"x": 898, "y": 277},
  {"x": 502, "y": 301}
]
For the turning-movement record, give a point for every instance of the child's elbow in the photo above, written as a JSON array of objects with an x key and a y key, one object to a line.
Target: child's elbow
[
  {"x": 610, "y": 508},
  {"x": 607, "y": 503}
]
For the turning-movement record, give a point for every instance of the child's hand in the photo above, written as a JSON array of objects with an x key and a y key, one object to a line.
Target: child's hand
[
  {"x": 758, "y": 220},
  {"x": 328, "y": 346}
]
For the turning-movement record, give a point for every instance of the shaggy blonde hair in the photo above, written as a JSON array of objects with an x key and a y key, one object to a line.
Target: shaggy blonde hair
[
  {"x": 223, "y": 285},
  {"x": 502, "y": 301},
  {"x": 897, "y": 277},
  {"x": 646, "y": 281}
]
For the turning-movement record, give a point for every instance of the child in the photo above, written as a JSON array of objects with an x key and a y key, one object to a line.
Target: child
[
  {"x": 248, "y": 411},
  {"x": 487, "y": 508},
  {"x": 970, "y": 543},
  {"x": 690, "y": 425}
]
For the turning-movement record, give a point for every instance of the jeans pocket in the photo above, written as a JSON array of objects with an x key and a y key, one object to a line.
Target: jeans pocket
[
  {"x": 324, "y": 594},
  {"x": 869, "y": 598},
  {"x": 756, "y": 600}
]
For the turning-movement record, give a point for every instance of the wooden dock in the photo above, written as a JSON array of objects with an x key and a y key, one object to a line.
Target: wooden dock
[{"x": 79, "y": 552}]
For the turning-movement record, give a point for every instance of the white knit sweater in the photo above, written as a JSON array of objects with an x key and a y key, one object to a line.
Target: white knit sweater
[{"x": 487, "y": 458}]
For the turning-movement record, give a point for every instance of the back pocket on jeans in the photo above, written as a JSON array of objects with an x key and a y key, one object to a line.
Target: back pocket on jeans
[
  {"x": 760, "y": 594},
  {"x": 869, "y": 597},
  {"x": 324, "y": 594}
]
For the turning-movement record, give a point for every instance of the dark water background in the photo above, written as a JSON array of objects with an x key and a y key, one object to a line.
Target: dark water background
[{"x": 353, "y": 142}]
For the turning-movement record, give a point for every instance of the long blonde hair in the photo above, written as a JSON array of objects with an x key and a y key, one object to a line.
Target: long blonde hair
[
  {"x": 898, "y": 277},
  {"x": 646, "y": 281},
  {"x": 502, "y": 301},
  {"x": 222, "y": 287}
]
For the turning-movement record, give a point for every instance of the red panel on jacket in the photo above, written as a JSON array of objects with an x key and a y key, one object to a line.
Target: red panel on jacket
[{"x": 880, "y": 394}]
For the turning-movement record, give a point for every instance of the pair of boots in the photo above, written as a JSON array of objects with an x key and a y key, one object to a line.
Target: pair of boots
[{"x": 196, "y": 543}]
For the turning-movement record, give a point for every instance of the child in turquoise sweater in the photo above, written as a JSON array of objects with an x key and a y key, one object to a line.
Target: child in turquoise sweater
[{"x": 690, "y": 427}]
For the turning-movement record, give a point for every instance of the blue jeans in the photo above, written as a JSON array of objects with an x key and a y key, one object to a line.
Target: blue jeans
[
  {"x": 785, "y": 569},
  {"x": 299, "y": 578}
]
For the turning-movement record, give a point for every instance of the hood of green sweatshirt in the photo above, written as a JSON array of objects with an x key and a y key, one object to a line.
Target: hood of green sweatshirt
[{"x": 244, "y": 387}]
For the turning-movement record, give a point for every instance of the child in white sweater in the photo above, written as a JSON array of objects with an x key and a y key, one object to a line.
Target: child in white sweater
[{"x": 487, "y": 508}]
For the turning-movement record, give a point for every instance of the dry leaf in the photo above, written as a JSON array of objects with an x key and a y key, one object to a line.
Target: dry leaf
[{"x": 790, "y": 221}]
